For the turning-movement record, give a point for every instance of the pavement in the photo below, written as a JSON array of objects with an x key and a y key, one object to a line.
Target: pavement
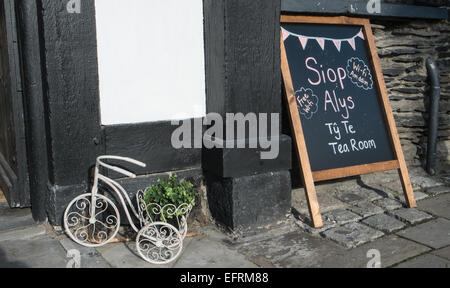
[{"x": 366, "y": 225}]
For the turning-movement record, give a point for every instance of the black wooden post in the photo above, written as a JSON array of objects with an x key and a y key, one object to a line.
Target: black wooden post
[
  {"x": 75, "y": 135},
  {"x": 30, "y": 44},
  {"x": 242, "y": 40}
]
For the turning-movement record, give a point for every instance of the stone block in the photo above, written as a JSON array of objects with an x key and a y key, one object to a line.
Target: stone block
[
  {"x": 438, "y": 206},
  {"x": 306, "y": 224},
  {"x": 341, "y": 217},
  {"x": 438, "y": 190},
  {"x": 443, "y": 253},
  {"x": 358, "y": 194},
  {"x": 384, "y": 223},
  {"x": 366, "y": 209},
  {"x": 419, "y": 196},
  {"x": 425, "y": 261},
  {"x": 434, "y": 234},
  {"x": 388, "y": 204},
  {"x": 410, "y": 215},
  {"x": 352, "y": 235},
  {"x": 252, "y": 201},
  {"x": 425, "y": 182}
]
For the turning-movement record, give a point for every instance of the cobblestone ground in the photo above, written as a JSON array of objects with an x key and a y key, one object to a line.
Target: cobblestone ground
[{"x": 365, "y": 221}]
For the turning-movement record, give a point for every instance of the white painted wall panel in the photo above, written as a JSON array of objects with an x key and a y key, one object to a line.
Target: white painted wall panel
[{"x": 151, "y": 60}]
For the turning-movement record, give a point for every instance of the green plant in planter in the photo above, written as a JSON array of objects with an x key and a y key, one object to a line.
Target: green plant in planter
[{"x": 169, "y": 191}]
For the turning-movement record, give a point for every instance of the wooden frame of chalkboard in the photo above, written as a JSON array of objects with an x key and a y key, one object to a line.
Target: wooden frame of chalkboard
[{"x": 308, "y": 176}]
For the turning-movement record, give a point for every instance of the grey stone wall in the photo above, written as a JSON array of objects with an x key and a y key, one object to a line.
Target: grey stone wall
[{"x": 403, "y": 48}]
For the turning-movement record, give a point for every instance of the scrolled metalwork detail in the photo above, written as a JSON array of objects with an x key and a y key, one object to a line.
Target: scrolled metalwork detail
[
  {"x": 93, "y": 220},
  {"x": 153, "y": 212},
  {"x": 159, "y": 243},
  {"x": 91, "y": 227}
]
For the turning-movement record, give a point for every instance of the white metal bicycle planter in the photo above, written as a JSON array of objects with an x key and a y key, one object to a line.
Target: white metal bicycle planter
[{"x": 93, "y": 220}]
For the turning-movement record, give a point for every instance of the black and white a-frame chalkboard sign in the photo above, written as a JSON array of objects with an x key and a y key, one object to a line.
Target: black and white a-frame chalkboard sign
[{"x": 338, "y": 103}]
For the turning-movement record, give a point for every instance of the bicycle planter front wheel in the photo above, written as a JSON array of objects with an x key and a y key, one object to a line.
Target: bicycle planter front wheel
[
  {"x": 159, "y": 243},
  {"x": 92, "y": 229}
]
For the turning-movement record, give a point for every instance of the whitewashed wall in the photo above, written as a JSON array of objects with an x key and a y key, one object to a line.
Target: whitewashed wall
[{"x": 151, "y": 60}]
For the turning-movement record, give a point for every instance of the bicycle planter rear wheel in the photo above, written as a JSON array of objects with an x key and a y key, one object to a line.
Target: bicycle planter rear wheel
[
  {"x": 159, "y": 243},
  {"x": 93, "y": 231}
]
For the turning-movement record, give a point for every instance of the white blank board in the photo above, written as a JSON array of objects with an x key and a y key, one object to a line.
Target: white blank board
[{"x": 150, "y": 60}]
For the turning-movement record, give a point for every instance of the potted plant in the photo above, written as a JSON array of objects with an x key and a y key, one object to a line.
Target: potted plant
[{"x": 169, "y": 201}]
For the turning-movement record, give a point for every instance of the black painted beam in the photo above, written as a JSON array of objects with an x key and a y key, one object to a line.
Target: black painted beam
[
  {"x": 359, "y": 8},
  {"x": 72, "y": 92},
  {"x": 243, "y": 75},
  {"x": 29, "y": 39},
  {"x": 151, "y": 144}
]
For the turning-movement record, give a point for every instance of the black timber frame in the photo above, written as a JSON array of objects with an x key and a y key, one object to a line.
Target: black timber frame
[
  {"x": 30, "y": 41},
  {"x": 243, "y": 75},
  {"x": 59, "y": 58},
  {"x": 59, "y": 52}
]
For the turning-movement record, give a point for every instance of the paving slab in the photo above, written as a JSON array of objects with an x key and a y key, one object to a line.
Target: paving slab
[
  {"x": 379, "y": 177},
  {"x": 349, "y": 197},
  {"x": 388, "y": 204},
  {"x": 341, "y": 217},
  {"x": 366, "y": 209},
  {"x": 313, "y": 252},
  {"x": 90, "y": 257},
  {"x": 306, "y": 224},
  {"x": 325, "y": 197},
  {"x": 24, "y": 233},
  {"x": 393, "y": 187},
  {"x": 443, "y": 253},
  {"x": 424, "y": 182},
  {"x": 384, "y": 223},
  {"x": 41, "y": 252},
  {"x": 419, "y": 196},
  {"x": 383, "y": 191},
  {"x": 292, "y": 250},
  {"x": 425, "y": 261},
  {"x": 410, "y": 215},
  {"x": 11, "y": 219},
  {"x": 392, "y": 249},
  {"x": 119, "y": 255},
  {"x": 438, "y": 190},
  {"x": 352, "y": 235},
  {"x": 204, "y": 253},
  {"x": 435, "y": 234},
  {"x": 358, "y": 194},
  {"x": 438, "y": 206}
]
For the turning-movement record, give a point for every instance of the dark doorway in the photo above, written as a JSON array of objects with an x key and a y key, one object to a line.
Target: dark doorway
[{"x": 13, "y": 159}]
